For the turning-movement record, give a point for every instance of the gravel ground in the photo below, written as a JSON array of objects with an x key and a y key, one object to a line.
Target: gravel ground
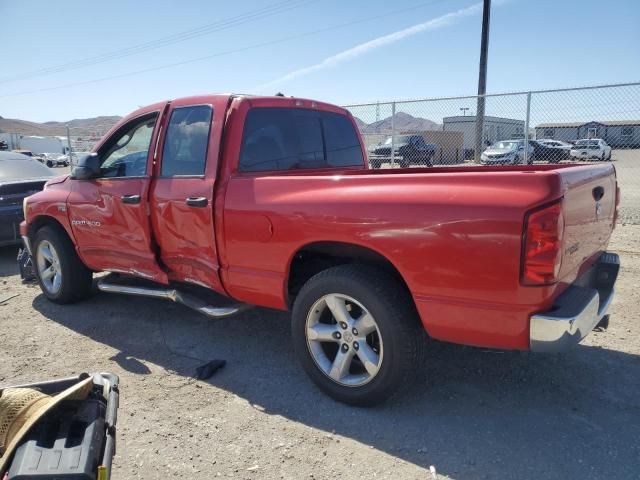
[{"x": 472, "y": 414}]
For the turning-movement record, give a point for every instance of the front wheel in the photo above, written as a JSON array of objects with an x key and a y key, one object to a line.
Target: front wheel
[
  {"x": 356, "y": 333},
  {"x": 62, "y": 276}
]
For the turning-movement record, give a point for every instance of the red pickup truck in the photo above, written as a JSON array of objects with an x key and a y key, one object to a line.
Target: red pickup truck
[{"x": 225, "y": 201}]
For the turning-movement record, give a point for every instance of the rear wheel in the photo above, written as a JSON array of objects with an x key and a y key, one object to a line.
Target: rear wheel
[
  {"x": 49, "y": 164},
  {"x": 62, "y": 276},
  {"x": 356, "y": 333},
  {"x": 603, "y": 156}
]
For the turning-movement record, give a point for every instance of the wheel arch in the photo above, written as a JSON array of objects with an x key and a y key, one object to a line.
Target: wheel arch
[
  {"x": 314, "y": 257},
  {"x": 45, "y": 220}
]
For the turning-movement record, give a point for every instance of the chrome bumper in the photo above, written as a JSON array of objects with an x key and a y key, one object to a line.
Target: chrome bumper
[{"x": 577, "y": 310}]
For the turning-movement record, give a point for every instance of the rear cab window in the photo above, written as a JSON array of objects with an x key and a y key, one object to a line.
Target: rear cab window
[{"x": 296, "y": 138}]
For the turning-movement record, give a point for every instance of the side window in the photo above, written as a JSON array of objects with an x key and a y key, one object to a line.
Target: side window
[
  {"x": 186, "y": 140},
  {"x": 125, "y": 155},
  {"x": 281, "y": 139},
  {"x": 343, "y": 146}
]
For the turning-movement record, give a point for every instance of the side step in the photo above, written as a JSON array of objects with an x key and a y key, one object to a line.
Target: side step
[{"x": 115, "y": 284}]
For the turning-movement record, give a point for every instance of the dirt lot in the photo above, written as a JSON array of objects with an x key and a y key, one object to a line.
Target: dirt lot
[{"x": 472, "y": 413}]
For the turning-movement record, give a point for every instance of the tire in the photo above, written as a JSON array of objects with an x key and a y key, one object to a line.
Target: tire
[
  {"x": 516, "y": 160},
  {"x": 603, "y": 156},
  {"x": 398, "y": 334},
  {"x": 49, "y": 164},
  {"x": 72, "y": 281},
  {"x": 609, "y": 157}
]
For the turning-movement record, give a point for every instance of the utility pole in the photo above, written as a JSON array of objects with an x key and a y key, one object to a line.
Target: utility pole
[
  {"x": 69, "y": 144},
  {"x": 482, "y": 78}
]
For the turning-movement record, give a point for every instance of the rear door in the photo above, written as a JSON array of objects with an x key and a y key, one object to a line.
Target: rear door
[
  {"x": 182, "y": 195},
  {"x": 109, "y": 214}
]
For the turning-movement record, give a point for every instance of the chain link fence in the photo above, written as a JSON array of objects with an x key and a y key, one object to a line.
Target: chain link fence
[{"x": 589, "y": 124}]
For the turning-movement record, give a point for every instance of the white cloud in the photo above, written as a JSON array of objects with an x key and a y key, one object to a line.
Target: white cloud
[{"x": 366, "y": 47}]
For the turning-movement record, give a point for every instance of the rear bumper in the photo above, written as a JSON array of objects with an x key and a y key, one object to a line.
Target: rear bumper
[{"x": 577, "y": 310}]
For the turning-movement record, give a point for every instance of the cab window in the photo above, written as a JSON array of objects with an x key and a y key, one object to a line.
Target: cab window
[
  {"x": 125, "y": 155},
  {"x": 296, "y": 138},
  {"x": 185, "y": 145}
]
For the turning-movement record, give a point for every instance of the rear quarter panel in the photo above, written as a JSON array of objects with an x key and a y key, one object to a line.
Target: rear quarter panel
[{"x": 455, "y": 237}]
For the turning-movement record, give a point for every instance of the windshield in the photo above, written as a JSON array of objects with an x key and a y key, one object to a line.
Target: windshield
[
  {"x": 398, "y": 140},
  {"x": 506, "y": 145}
]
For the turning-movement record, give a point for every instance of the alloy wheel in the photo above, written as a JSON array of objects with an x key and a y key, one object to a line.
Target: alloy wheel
[{"x": 344, "y": 340}]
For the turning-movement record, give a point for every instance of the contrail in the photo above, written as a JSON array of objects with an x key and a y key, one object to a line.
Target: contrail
[{"x": 363, "y": 48}]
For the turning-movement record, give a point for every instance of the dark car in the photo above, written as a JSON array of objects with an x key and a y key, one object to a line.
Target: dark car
[
  {"x": 545, "y": 152},
  {"x": 408, "y": 149},
  {"x": 20, "y": 176}
]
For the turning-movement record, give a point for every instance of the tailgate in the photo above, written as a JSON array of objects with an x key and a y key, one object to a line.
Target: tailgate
[{"x": 589, "y": 208}]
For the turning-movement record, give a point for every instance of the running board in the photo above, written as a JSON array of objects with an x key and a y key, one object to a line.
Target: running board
[{"x": 191, "y": 301}]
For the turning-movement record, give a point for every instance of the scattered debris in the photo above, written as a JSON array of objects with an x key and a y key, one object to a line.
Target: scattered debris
[
  {"x": 6, "y": 299},
  {"x": 25, "y": 262},
  {"x": 432, "y": 469},
  {"x": 208, "y": 369}
]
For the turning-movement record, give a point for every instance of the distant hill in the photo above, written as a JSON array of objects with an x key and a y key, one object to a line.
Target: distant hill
[
  {"x": 402, "y": 123},
  {"x": 79, "y": 126}
]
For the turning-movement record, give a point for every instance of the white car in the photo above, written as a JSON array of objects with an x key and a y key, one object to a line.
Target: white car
[
  {"x": 506, "y": 152},
  {"x": 591, "y": 148}
]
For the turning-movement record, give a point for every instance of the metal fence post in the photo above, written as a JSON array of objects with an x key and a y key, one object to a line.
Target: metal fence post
[
  {"x": 393, "y": 133},
  {"x": 525, "y": 157}
]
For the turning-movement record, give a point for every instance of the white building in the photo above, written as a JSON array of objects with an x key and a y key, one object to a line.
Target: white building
[
  {"x": 35, "y": 144},
  {"x": 495, "y": 129},
  {"x": 617, "y": 133}
]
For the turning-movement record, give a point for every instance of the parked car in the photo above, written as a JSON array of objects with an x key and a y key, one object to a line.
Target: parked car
[
  {"x": 546, "y": 151},
  {"x": 55, "y": 160},
  {"x": 591, "y": 148},
  {"x": 408, "y": 150},
  {"x": 506, "y": 152},
  {"x": 268, "y": 201},
  {"x": 28, "y": 153},
  {"x": 20, "y": 176}
]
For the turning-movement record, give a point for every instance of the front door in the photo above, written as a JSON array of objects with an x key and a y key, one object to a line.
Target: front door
[
  {"x": 182, "y": 201},
  {"x": 110, "y": 214}
]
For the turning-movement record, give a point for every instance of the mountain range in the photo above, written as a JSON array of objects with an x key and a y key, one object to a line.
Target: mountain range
[{"x": 97, "y": 126}]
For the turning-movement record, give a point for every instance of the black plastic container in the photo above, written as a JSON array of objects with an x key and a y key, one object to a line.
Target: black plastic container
[{"x": 74, "y": 439}]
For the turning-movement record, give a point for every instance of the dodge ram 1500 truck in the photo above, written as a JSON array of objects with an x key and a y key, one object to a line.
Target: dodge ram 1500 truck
[{"x": 225, "y": 201}]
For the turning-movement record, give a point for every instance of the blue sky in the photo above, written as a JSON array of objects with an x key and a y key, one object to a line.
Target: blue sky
[{"x": 415, "y": 48}]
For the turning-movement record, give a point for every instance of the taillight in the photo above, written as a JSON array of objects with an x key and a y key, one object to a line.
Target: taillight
[{"x": 542, "y": 253}]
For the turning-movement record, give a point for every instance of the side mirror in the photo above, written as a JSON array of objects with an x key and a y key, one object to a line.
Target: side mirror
[{"x": 88, "y": 166}]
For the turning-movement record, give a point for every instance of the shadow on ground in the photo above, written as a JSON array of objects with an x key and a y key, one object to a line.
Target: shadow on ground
[{"x": 477, "y": 414}]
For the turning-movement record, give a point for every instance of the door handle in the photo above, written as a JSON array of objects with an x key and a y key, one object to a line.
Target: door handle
[
  {"x": 197, "y": 201},
  {"x": 130, "y": 199}
]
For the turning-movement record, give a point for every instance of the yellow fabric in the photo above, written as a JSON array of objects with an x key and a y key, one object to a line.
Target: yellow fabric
[{"x": 32, "y": 412}]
